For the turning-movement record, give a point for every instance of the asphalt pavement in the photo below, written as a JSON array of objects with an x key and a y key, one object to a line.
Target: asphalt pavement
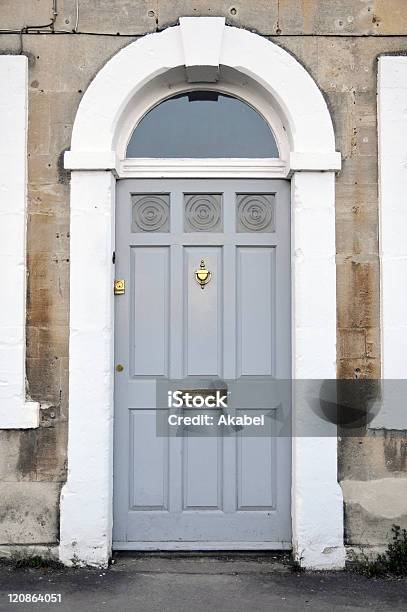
[{"x": 199, "y": 583}]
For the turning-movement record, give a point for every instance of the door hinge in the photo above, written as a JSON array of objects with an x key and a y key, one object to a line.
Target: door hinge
[{"x": 119, "y": 287}]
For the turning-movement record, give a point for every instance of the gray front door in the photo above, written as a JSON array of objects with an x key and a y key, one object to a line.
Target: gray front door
[{"x": 206, "y": 491}]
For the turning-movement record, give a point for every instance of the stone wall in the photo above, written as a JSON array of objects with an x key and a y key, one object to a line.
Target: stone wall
[{"x": 338, "y": 41}]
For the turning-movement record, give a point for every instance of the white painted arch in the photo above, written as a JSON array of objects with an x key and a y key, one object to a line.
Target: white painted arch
[{"x": 137, "y": 78}]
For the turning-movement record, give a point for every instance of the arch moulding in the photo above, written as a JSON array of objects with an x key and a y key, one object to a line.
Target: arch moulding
[{"x": 199, "y": 50}]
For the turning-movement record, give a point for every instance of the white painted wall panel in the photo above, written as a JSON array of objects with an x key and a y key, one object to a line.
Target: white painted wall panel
[
  {"x": 392, "y": 113},
  {"x": 15, "y": 412},
  {"x": 392, "y": 124}
]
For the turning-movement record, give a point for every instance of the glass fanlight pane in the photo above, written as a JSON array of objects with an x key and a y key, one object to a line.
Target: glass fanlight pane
[{"x": 202, "y": 124}]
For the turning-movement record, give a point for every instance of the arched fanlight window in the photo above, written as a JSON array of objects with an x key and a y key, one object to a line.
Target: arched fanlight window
[{"x": 202, "y": 124}]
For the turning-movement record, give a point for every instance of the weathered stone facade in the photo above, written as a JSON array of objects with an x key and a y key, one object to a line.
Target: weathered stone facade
[{"x": 338, "y": 42}]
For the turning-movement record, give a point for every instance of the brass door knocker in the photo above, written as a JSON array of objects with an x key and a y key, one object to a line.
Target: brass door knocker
[{"x": 202, "y": 275}]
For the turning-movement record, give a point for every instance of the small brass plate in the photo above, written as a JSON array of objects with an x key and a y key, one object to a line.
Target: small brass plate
[{"x": 119, "y": 287}]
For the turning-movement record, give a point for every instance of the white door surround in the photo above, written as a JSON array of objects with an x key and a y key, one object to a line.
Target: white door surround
[{"x": 145, "y": 72}]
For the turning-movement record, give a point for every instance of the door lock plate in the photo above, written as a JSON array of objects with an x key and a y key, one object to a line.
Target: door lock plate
[{"x": 119, "y": 287}]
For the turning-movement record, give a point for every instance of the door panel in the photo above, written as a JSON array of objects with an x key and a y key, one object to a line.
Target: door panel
[
  {"x": 150, "y": 310},
  {"x": 202, "y": 479},
  {"x": 255, "y": 472},
  {"x": 256, "y": 277},
  {"x": 200, "y": 491},
  {"x": 203, "y": 356},
  {"x": 149, "y": 463}
]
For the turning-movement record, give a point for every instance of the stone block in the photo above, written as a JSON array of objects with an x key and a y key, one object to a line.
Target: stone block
[
  {"x": 358, "y": 368},
  {"x": 53, "y": 341},
  {"x": 42, "y": 452},
  {"x": 29, "y": 512},
  {"x": 341, "y": 108},
  {"x": 261, "y": 16},
  {"x": 110, "y": 16},
  {"x": 365, "y": 108},
  {"x": 44, "y": 379},
  {"x": 304, "y": 48},
  {"x": 358, "y": 289},
  {"x": 15, "y": 14},
  {"x": 114, "y": 16},
  {"x": 372, "y": 507},
  {"x": 47, "y": 290},
  {"x": 390, "y": 17},
  {"x": 357, "y": 232},
  {"x": 39, "y": 124},
  {"x": 48, "y": 234},
  {"x": 64, "y": 390},
  {"x": 9, "y": 43},
  {"x": 9, "y": 445},
  {"x": 326, "y": 16},
  {"x": 373, "y": 342},
  {"x": 354, "y": 197},
  {"x": 352, "y": 343},
  {"x": 360, "y": 170},
  {"x": 68, "y": 63},
  {"x": 346, "y": 64},
  {"x": 31, "y": 339},
  {"x": 49, "y": 199}
]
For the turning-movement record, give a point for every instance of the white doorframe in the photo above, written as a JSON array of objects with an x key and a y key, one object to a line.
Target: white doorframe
[{"x": 128, "y": 82}]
